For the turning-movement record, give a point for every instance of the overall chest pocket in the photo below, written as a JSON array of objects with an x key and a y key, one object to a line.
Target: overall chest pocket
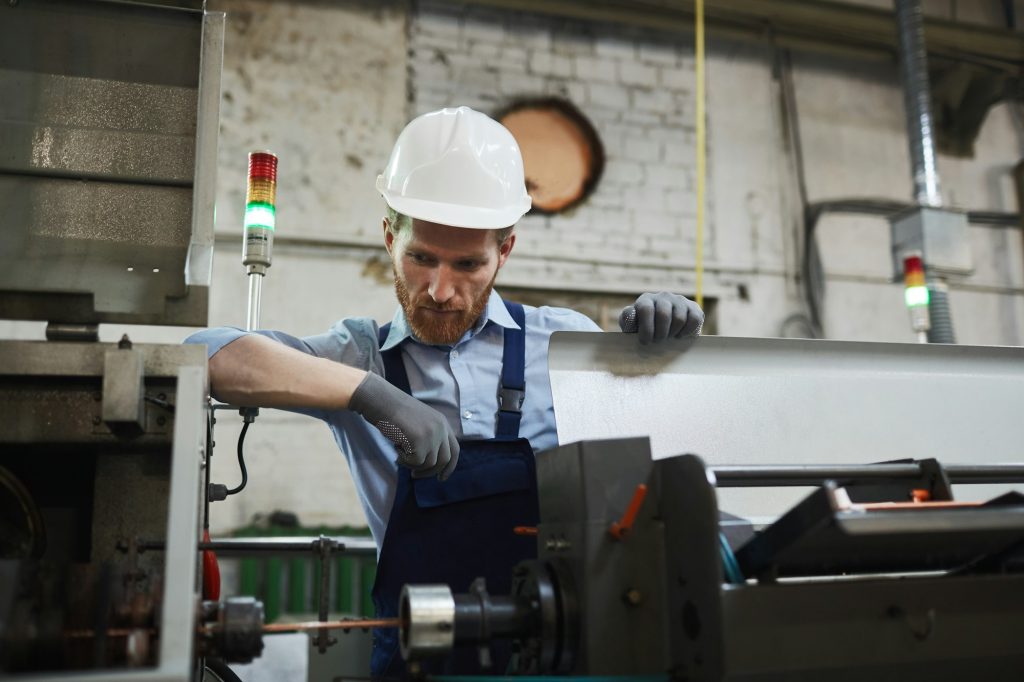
[{"x": 485, "y": 469}]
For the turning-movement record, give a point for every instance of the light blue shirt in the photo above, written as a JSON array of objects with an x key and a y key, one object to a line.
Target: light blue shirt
[{"x": 459, "y": 381}]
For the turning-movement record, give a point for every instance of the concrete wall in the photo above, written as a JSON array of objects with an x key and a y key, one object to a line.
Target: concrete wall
[
  {"x": 638, "y": 229},
  {"x": 328, "y": 85}
]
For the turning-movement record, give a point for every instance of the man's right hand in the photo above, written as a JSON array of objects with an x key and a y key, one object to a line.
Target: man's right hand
[{"x": 424, "y": 440}]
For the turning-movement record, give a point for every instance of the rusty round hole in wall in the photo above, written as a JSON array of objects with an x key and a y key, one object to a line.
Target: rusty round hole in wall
[{"x": 562, "y": 154}]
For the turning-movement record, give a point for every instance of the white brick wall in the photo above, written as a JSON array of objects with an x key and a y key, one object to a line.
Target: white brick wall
[
  {"x": 323, "y": 88},
  {"x": 626, "y": 84}
]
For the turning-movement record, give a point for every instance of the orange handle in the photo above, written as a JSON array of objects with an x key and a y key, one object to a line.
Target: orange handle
[
  {"x": 211, "y": 572},
  {"x": 621, "y": 528}
]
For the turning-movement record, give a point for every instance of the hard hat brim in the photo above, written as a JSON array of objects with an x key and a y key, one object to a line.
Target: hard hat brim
[{"x": 456, "y": 215}]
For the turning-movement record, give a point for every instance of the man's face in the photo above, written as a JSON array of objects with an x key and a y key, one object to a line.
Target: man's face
[{"x": 444, "y": 276}]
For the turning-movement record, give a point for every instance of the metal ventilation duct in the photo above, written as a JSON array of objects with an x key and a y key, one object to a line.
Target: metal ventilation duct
[{"x": 917, "y": 102}]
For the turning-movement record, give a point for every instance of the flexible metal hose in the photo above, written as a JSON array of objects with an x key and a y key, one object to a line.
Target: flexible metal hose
[
  {"x": 917, "y": 102},
  {"x": 938, "y": 309}
]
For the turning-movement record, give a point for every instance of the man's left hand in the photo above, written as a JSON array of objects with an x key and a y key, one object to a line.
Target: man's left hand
[{"x": 656, "y": 317}]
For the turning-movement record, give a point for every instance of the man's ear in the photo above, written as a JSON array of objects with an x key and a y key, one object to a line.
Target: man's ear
[
  {"x": 505, "y": 249},
  {"x": 389, "y": 237}
]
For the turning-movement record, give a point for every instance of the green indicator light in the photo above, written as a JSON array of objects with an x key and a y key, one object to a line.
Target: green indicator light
[
  {"x": 916, "y": 296},
  {"x": 259, "y": 215}
]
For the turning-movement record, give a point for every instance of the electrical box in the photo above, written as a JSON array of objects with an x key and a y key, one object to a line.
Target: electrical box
[{"x": 939, "y": 234}]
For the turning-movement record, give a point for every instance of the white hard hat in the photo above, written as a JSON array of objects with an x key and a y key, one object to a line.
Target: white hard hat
[{"x": 456, "y": 167}]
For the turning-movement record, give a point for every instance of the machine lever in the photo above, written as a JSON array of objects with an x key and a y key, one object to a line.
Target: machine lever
[{"x": 619, "y": 529}]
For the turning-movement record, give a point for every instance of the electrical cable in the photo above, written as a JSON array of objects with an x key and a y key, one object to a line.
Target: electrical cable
[
  {"x": 810, "y": 269},
  {"x": 730, "y": 566},
  {"x": 813, "y": 271},
  {"x": 211, "y": 417},
  {"x": 241, "y": 460}
]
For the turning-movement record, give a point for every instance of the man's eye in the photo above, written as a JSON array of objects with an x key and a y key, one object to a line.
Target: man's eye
[
  {"x": 468, "y": 264},
  {"x": 418, "y": 257}
]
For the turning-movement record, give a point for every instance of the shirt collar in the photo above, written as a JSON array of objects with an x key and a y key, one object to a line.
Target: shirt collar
[{"x": 495, "y": 312}]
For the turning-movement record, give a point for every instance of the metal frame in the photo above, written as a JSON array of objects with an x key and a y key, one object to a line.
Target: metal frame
[
  {"x": 187, "y": 452},
  {"x": 199, "y": 263},
  {"x": 181, "y": 563}
]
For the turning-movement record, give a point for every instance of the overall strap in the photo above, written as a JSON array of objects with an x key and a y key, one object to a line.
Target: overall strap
[
  {"x": 394, "y": 368},
  {"x": 512, "y": 390}
]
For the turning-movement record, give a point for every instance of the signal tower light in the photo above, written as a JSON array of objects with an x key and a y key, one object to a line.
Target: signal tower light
[
  {"x": 260, "y": 220},
  {"x": 915, "y": 294},
  {"x": 260, "y": 211}
]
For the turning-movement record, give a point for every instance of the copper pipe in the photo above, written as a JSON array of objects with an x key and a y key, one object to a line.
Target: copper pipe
[
  {"x": 332, "y": 625},
  {"x": 320, "y": 625},
  {"x": 270, "y": 628}
]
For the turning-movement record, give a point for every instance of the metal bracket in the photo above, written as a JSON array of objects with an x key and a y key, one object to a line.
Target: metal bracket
[
  {"x": 323, "y": 546},
  {"x": 124, "y": 407}
]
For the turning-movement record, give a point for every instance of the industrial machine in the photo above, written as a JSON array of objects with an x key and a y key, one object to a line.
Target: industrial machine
[
  {"x": 858, "y": 570},
  {"x": 855, "y": 570},
  {"x": 109, "y": 127},
  {"x": 108, "y": 130}
]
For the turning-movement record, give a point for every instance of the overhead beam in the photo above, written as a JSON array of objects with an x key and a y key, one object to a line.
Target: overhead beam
[{"x": 800, "y": 24}]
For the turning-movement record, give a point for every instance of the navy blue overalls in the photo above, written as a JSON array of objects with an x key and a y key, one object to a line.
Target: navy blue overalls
[{"x": 462, "y": 529}]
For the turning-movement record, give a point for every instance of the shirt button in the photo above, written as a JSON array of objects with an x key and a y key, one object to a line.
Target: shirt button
[
  {"x": 467, "y": 414},
  {"x": 455, "y": 353}
]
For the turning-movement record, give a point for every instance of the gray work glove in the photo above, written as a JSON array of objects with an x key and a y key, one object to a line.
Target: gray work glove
[
  {"x": 656, "y": 317},
  {"x": 424, "y": 440}
]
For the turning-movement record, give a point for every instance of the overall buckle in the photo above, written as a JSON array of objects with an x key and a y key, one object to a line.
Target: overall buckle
[{"x": 511, "y": 399}]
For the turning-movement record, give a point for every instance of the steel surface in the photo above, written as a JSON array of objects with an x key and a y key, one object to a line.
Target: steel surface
[{"x": 742, "y": 401}]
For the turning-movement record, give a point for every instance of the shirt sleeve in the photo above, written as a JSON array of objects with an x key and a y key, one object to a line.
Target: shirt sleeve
[
  {"x": 219, "y": 337},
  {"x": 351, "y": 341},
  {"x": 566, "y": 320}
]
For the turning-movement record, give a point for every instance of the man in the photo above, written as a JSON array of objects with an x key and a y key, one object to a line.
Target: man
[{"x": 439, "y": 413}]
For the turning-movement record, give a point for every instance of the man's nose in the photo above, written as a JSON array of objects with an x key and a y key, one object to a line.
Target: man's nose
[{"x": 441, "y": 285}]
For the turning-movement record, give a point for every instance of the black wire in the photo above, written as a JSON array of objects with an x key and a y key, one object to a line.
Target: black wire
[
  {"x": 813, "y": 272},
  {"x": 730, "y": 565},
  {"x": 241, "y": 460},
  {"x": 809, "y": 252},
  {"x": 209, "y": 457}
]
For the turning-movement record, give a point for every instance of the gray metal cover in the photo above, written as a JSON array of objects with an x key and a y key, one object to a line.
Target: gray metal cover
[
  {"x": 108, "y": 129},
  {"x": 787, "y": 401}
]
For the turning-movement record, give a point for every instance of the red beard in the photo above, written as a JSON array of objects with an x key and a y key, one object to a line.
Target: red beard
[{"x": 443, "y": 331}]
